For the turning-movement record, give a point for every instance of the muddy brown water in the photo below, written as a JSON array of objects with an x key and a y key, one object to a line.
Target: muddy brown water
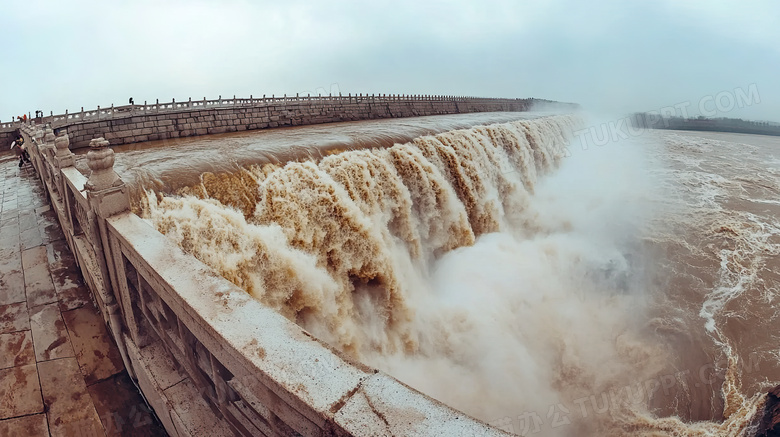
[{"x": 368, "y": 251}]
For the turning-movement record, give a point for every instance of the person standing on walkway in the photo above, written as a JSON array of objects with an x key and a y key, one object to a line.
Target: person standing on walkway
[{"x": 18, "y": 147}]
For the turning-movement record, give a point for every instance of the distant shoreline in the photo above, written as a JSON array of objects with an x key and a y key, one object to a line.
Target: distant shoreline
[
  {"x": 775, "y": 132},
  {"x": 728, "y": 125}
]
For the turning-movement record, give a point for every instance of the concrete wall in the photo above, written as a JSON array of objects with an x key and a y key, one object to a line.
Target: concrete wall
[
  {"x": 139, "y": 123},
  {"x": 209, "y": 358}
]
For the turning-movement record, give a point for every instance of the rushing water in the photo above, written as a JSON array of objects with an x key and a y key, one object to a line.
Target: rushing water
[
  {"x": 508, "y": 271},
  {"x": 168, "y": 165}
]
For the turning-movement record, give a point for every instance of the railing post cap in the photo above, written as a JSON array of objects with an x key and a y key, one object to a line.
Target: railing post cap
[
  {"x": 48, "y": 134},
  {"x": 62, "y": 143},
  {"x": 100, "y": 160}
]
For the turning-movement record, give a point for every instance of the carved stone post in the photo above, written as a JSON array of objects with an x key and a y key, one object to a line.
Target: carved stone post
[
  {"x": 48, "y": 141},
  {"x": 64, "y": 157},
  {"x": 48, "y": 133},
  {"x": 107, "y": 196},
  {"x": 100, "y": 160},
  {"x": 38, "y": 136},
  {"x": 47, "y": 155}
]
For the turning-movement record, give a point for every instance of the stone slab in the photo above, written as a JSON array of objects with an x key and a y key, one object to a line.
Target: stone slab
[
  {"x": 194, "y": 412},
  {"x": 50, "y": 227},
  {"x": 14, "y": 317},
  {"x": 145, "y": 373},
  {"x": 9, "y": 224},
  {"x": 34, "y": 257},
  {"x": 59, "y": 256},
  {"x": 12, "y": 287},
  {"x": 27, "y": 426},
  {"x": 31, "y": 238},
  {"x": 9, "y": 256},
  {"x": 122, "y": 409},
  {"x": 69, "y": 407},
  {"x": 16, "y": 349},
  {"x": 96, "y": 352},
  {"x": 37, "y": 278},
  {"x": 41, "y": 210},
  {"x": 27, "y": 220},
  {"x": 9, "y": 242},
  {"x": 11, "y": 276},
  {"x": 384, "y": 406},
  {"x": 166, "y": 371},
  {"x": 66, "y": 276},
  {"x": 50, "y": 336},
  {"x": 20, "y": 392},
  {"x": 75, "y": 297},
  {"x": 39, "y": 286}
]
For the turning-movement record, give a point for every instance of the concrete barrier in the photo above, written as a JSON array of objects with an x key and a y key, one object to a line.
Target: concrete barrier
[{"x": 210, "y": 359}]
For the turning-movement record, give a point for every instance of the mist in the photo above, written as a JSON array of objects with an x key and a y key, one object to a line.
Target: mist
[{"x": 528, "y": 320}]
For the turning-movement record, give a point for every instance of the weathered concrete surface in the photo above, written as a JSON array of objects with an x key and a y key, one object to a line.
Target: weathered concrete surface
[{"x": 60, "y": 371}]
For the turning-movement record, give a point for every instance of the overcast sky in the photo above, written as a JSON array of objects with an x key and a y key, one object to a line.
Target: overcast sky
[{"x": 609, "y": 56}]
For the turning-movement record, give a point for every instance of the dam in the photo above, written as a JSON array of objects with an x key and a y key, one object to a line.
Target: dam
[
  {"x": 208, "y": 357},
  {"x": 436, "y": 275}
]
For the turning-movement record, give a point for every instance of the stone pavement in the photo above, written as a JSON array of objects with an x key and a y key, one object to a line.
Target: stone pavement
[{"x": 61, "y": 373}]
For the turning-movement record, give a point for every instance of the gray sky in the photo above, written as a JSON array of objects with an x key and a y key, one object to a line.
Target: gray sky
[{"x": 609, "y": 56}]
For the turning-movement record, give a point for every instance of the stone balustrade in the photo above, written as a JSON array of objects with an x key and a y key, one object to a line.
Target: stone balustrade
[
  {"x": 209, "y": 358},
  {"x": 160, "y": 121}
]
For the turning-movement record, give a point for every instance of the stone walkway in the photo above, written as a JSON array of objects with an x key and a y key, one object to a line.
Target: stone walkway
[{"x": 61, "y": 373}]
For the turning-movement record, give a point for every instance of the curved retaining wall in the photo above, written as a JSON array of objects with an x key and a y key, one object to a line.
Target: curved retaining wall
[
  {"x": 139, "y": 123},
  {"x": 210, "y": 359}
]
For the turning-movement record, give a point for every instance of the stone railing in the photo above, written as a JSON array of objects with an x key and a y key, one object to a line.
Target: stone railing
[
  {"x": 161, "y": 121},
  {"x": 174, "y": 106},
  {"x": 210, "y": 359}
]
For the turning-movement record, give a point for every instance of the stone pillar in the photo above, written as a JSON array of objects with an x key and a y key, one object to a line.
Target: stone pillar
[
  {"x": 46, "y": 154},
  {"x": 107, "y": 196},
  {"x": 48, "y": 140},
  {"x": 64, "y": 157},
  {"x": 100, "y": 160},
  {"x": 39, "y": 136},
  {"x": 34, "y": 149}
]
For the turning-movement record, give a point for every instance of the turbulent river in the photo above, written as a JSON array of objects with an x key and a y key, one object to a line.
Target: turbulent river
[{"x": 539, "y": 283}]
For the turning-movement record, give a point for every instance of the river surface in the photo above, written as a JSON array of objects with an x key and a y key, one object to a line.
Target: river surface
[{"x": 543, "y": 285}]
